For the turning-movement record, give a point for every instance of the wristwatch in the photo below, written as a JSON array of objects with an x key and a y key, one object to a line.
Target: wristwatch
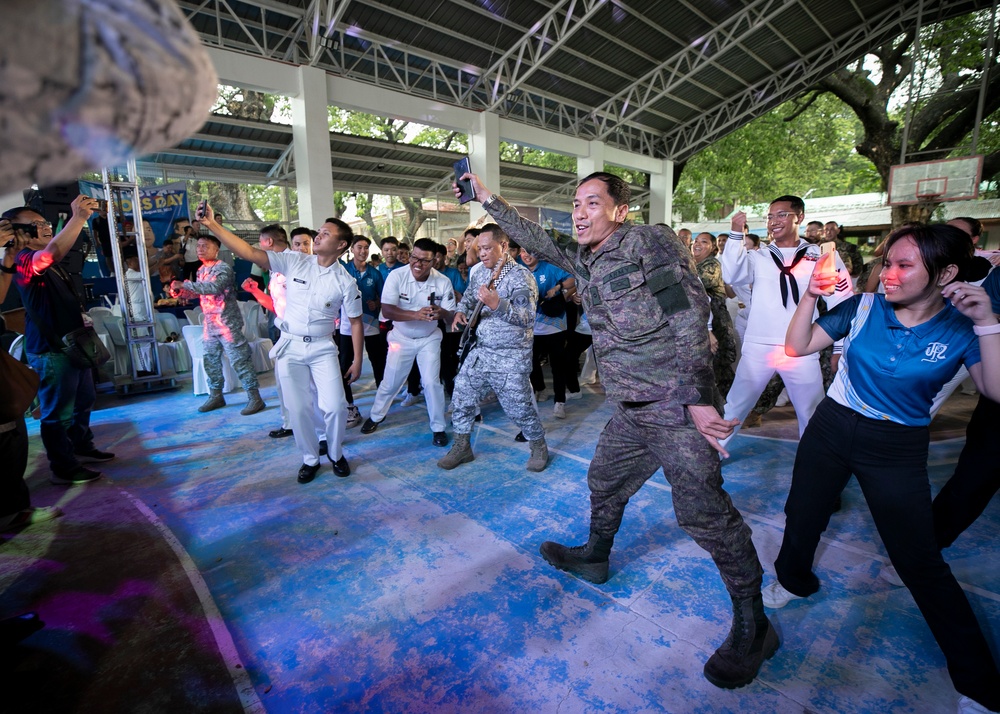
[{"x": 490, "y": 199}]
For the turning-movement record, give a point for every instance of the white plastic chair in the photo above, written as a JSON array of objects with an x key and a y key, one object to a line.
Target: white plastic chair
[
  {"x": 195, "y": 316},
  {"x": 194, "y": 338}
]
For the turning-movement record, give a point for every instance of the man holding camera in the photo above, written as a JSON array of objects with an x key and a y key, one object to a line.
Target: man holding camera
[{"x": 53, "y": 308}]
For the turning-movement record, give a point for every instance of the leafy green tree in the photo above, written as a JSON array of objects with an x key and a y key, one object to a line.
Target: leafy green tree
[
  {"x": 927, "y": 94},
  {"x": 395, "y": 131},
  {"x": 799, "y": 148}
]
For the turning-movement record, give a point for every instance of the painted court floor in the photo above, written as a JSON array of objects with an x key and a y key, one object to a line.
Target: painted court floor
[{"x": 199, "y": 576}]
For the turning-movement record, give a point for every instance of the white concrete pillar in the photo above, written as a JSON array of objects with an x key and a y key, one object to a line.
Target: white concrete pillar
[
  {"x": 594, "y": 161},
  {"x": 661, "y": 194},
  {"x": 484, "y": 158},
  {"x": 311, "y": 150}
]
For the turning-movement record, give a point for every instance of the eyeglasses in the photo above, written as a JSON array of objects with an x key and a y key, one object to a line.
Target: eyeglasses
[
  {"x": 779, "y": 216},
  {"x": 422, "y": 261}
]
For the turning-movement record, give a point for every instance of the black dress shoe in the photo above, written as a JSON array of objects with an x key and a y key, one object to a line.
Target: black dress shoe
[
  {"x": 369, "y": 426},
  {"x": 440, "y": 438},
  {"x": 307, "y": 473},
  {"x": 520, "y": 437},
  {"x": 479, "y": 417},
  {"x": 279, "y": 433},
  {"x": 322, "y": 447},
  {"x": 341, "y": 467}
]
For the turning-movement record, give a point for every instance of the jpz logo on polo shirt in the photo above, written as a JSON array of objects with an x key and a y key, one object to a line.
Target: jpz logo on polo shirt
[{"x": 935, "y": 352}]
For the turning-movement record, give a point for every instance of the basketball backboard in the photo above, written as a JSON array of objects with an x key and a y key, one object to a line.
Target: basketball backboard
[{"x": 944, "y": 180}]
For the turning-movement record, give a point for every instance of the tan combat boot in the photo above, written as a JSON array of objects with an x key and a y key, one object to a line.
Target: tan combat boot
[
  {"x": 254, "y": 403},
  {"x": 460, "y": 453},
  {"x": 539, "y": 455},
  {"x": 214, "y": 401}
]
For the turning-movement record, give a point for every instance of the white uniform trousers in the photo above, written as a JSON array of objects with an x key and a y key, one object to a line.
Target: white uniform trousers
[
  {"x": 286, "y": 422},
  {"x": 300, "y": 366},
  {"x": 802, "y": 376},
  {"x": 402, "y": 351}
]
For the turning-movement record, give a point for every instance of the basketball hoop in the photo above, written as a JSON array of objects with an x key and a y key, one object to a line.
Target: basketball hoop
[{"x": 935, "y": 181}]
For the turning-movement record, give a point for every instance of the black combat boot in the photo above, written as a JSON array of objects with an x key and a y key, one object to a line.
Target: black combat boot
[
  {"x": 589, "y": 561},
  {"x": 751, "y": 640}
]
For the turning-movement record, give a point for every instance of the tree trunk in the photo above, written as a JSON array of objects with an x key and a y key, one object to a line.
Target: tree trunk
[
  {"x": 415, "y": 216},
  {"x": 366, "y": 213},
  {"x": 913, "y": 213}
]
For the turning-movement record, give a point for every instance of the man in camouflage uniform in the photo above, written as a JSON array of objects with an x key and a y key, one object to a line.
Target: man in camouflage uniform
[
  {"x": 223, "y": 326},
  {"x": 648, "y": 310},
  {"x": 501, "y": 358}
]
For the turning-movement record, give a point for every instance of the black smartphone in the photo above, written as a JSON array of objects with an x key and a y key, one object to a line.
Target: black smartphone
[
  {"x": 462, "y": 167},
  {"x": 200, "y": 213}
]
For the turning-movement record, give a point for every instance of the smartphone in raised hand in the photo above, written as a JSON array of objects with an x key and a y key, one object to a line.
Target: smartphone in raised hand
[{"x": 461, "y": 168}]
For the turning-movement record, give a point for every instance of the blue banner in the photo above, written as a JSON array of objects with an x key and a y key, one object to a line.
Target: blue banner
[
  {"x": 160, "y": 205},
  {"x": 560, "y": 221}
]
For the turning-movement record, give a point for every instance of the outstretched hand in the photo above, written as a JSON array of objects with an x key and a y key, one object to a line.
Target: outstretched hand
[{"x": 712, "y": 426}]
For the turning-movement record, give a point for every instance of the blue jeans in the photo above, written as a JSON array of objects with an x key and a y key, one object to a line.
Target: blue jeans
[
  {"x": 890, "y": 462},
  {"x": 67, "y": 396}
]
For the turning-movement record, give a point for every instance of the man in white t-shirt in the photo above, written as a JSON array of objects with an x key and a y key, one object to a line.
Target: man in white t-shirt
[
  {"x": 415, "y": 300},
  {"x": 779, "y": 274}
]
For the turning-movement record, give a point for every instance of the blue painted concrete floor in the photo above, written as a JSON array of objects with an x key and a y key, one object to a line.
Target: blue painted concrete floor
[{"x": 199, "y": 576}]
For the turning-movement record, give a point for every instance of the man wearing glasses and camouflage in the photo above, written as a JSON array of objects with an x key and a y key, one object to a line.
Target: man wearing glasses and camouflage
[{"x": 779, "y": 274}]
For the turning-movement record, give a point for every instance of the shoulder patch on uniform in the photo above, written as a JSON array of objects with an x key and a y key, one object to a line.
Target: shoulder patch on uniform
[{"x": 666, "y": 286}]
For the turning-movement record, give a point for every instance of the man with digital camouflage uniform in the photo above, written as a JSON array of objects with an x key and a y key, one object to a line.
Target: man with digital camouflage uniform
[
  {"x": 501, "y": 358},
  {"x": 648, "y": 310}
]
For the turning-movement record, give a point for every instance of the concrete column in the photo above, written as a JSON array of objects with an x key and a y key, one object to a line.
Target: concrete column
[
  {"x": 484, "y": 157},
  {"x": 311, "y": 150},
  {"x": 586, "y": 165},
  {"x": 661, "y": 194}
]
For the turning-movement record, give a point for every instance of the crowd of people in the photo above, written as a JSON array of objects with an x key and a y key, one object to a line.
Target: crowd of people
[{"x": 693, "y": 335}]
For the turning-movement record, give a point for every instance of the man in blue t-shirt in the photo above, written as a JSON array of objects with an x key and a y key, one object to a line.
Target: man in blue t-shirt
[{"x": 66, "y": 392}]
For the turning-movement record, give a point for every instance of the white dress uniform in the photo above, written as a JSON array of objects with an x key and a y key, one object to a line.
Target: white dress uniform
[
  {"x": 771, "y": 308},
  {"x": 414, "y": 340},
  {"x": 306, "y": 352}
]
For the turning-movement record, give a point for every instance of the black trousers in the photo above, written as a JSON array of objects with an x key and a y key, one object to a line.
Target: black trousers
[
  {"x": 576, "y": 344},
  {"x": 890, "y": 463},
  {"x": 14, "y": 454},
  {"x": 377, "y": 349},
  {"x": 554, "y": 347},
  {"x": 976, "y": 479}
]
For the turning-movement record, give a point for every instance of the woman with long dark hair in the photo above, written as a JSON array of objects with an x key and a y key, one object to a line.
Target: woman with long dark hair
[{"x": 899, "y": 349}]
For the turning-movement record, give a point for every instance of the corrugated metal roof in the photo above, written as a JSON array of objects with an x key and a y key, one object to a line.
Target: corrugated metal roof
[{"x": 657, "y": 77}]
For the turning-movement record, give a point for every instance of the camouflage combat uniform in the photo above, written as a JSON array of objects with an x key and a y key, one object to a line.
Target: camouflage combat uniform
[
  {"x": 648, "y": 312},
  {"x": 223, "y": 325},
  {"x": 710, "y": 273},
  {"x": 501, "y": 359}
]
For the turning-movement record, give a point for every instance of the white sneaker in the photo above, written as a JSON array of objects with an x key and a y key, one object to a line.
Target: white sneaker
[
  {"x": 573, "y": 395},
  {"x": 970, "y": 706},
  {"x": 559, "y": 410},
  {"x": 782, "y": 399},
  {"x": 542, "y": 396},
  {"x": 776, "y": 596},
  {"x": 889, "y": 574},
  {"x": 410, "y": 399},
  {"x": 353, "y": 416}
]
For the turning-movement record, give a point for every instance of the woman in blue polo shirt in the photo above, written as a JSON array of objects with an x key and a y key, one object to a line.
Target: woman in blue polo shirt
[{"x": 899, "y": 349}]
